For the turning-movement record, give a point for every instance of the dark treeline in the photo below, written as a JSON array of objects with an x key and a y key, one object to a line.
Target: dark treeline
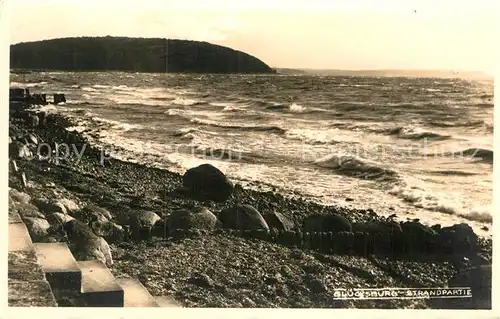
[{"x": 133, "y": 54}]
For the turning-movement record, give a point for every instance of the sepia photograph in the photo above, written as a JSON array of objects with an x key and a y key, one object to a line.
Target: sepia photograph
[{"x": 251, "y": 154}]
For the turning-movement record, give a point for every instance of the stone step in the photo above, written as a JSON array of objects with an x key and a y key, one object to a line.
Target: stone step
[
  {"x": 99, "y": 286},
  {"x": 167, "y": 301},
  {"x": 59, "y": 266},
  {"x": 19, "y": 238},
  {"x": 136, "y": 295}
]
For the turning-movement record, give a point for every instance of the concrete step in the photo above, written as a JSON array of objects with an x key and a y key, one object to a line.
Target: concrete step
[
  {"x": 167, "y": 301},
  {"x": 19, "y": 238},
  {"x": 136, "y": 295},
  {"x": 99, "y": 286},
  {"x": 59, "y": 266}
]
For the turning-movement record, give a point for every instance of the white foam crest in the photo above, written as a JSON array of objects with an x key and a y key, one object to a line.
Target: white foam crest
[
  {"x": 101, "y": 86},
  {"x": 88, "y": 89},
  {"x": 480, "y": 213},
  {"x": 184, "y": 101},
  {"x": 123, "y": 87},
  {"x": 175, "y": 112},
  {"x": 116, "y": 124},
  {"x": 321, "y": 136},
  {"x": 297, "y": 108},
  {"x": 344, "y": 161}
]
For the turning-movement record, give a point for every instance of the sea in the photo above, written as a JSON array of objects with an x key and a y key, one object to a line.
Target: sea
[{"x": 414, "y": 147}]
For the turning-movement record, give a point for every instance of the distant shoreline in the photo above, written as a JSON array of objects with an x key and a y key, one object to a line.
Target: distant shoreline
[{"x": 387, "y": 73}]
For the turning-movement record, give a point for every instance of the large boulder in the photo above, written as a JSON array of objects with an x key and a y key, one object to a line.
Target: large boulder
[
  {"x": 91, "y": 213},
  {"x": 85, "y": 245},
  {"x": 195, "y": 218},
  {"x": 419, "y": 237},
  {"x": 37, "y": 227},
  {"x": 278, "y": 221},
  {"x": 206, "y": 182},
  {"x": 95, "y": 248},
  {"x": 141, "y": 223},
  {"x": 110, "y": 231},
  {"x": 70, "y": 205},
  {"x": 47, "y": 206},
  {"x": 326, "y": 223},
  {"x": 94, "y": 210},
  {"x": 17, "y": 196},
  {"x": 243, "y": 217},
  {"x": 25, "y": 210},
  {"x": 56, "y": 219},
  {"x": 459, "y": 238}
]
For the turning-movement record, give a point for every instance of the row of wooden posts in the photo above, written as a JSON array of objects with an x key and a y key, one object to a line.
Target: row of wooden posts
[{"x": 355, "y": 243}]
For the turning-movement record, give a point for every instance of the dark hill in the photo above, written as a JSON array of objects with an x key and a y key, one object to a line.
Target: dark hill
[{"x": 133, "y": 54}]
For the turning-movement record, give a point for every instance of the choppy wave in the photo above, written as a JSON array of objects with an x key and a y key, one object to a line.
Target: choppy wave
[
  {"x": 356, "y": 167},
  {"x": 245, "y": 127},
  {"x": 416, "y": 133},
  {"x": 27, "y": 85},
  {"x": 117, "y": 125},
  {"x": 185, "y": 101},
  {"x": 422, "y": 198},
  {"x": 477, "y": 155}
]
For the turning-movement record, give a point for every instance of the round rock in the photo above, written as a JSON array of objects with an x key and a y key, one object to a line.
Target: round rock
[
  {"x": 92, "y": 213},
  {"x": 18, "y": 196},
  {"x": 243, "y": 217},
  {"x": 47, "y": 206},
  {"x": 25, "y": 210},
  {"x": 278, "y": 221},
  {"x": 142, "y": 222},
  {"x": 206, "y": 182},
  {"x": 70, "y": 205},
  {"x": 57, "y": 218},
  {"x": 37, "y": 227},
  {"x": 326, "y": 223},
  {"x": 110, "y": 231},
  {"x": 194, "y": 218}
]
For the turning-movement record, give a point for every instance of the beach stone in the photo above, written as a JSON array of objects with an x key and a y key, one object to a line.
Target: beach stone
[
  {"x": 206, "y": 182},
  {"x": 90, "y": 214},
  {"x": 49, "y": 206},
  {"x": 201, "y": 280},
  {"x": 25, "y": 210},
  {"x": 194, "y": 218},
  {"x": 110, "y": 231},
  {"x": 479, "y": 279},
  {"x": 278, "y": 221},
  {"x": 417, "y": 235},
  {"x": 141, "y": 223},
  {"x": 37, "y": 227},
  {"x": 459, "y": 237},
  {"x": 58, "y": 218},
  {"x": 95, "y": 248},
  {"x": 326, "y": 223},
  {"x": 243, "y": 217},
  {"x": 69, "y": 204},
  {"x": 85, "y": 245},
  {"x": 18, "y": 196},
  {"x": 19, "y": 150}
]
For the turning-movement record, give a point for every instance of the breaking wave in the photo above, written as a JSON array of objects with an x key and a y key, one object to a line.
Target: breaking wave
[{"x": 356, "y": 167}]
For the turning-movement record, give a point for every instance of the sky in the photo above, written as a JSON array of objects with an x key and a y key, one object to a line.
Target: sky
[{"x": 455, "y": 35}]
